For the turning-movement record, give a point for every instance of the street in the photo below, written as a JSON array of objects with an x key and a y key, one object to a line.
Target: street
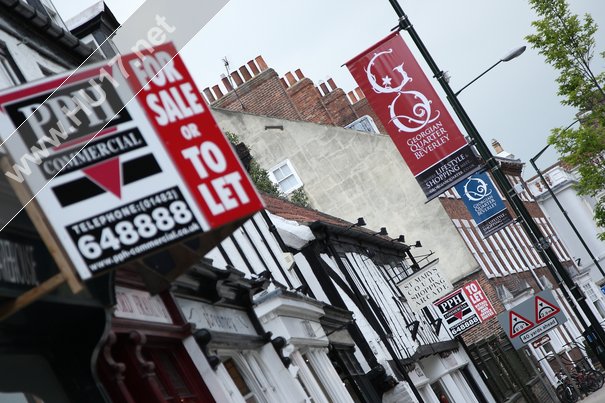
[{"x": 598, "y": 396}]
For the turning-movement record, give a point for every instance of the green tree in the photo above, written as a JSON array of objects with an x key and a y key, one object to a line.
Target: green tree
[{"x": 567, "y": 42}]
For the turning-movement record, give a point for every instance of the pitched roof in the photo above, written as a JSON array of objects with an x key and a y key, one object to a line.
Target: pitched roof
[
  {"x": 317, "y": 219},
  {"x": 290, "y": 211}
]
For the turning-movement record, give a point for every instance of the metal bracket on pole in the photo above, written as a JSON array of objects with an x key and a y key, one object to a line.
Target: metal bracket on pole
[
  {"x": 542, "y": 244},
  {"x": 404, "y": 23}
]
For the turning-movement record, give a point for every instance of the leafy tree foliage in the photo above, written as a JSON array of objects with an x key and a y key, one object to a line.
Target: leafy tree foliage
[
  {"x": 567, "y": 42},
  {"x": 300, "y": 197}
]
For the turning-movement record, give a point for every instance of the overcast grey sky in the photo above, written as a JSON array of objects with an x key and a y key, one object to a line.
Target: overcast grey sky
[{"x": 515, "y": 103}]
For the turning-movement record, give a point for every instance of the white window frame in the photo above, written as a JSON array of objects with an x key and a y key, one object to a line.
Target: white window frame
[{"x": 290, "y": 166}]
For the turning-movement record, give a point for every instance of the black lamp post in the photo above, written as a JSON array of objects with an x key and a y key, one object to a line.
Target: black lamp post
[
  {"x": 558, "y": 203},
  {"x": 593, "y": 333}
]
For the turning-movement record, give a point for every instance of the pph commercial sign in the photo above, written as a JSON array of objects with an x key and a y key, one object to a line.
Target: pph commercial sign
[
  {"x": 123, "y": 160},
  {"x": 413, "y": 114},
  {"x": 465, "y": 308}
]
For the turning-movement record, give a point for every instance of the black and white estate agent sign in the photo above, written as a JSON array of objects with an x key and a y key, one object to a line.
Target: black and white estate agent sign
[{"x": 124, "y": 178}]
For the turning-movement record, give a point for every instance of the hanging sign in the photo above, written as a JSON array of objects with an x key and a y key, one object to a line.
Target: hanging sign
[
  {"x": 465, "y": 308},
  {"x": 484, "y": 203},
  {"x": 532, "y": 319},
  {"x": 414, "y": 116},
  {"x": 123, "y": 159},
  {"x": 424, "y": 287}
]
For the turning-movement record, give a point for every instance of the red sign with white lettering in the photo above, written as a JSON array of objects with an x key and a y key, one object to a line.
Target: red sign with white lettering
[
  {"x": 479, "y": 300},
  {"x": 196, "y": 145},
  {"x": 413, "y": 114}
]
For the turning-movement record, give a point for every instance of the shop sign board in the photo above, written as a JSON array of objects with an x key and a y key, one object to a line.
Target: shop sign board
[
  {"x": 140, "y": 305},
  {"x": 465, "y": 308},
  {"x": 24, "y": 263},
  {"x": 532, "y": 319},
  {"x": 424, "y": 287},
  {"x": 217, "y": 318},
  {"x": 123, "y": 160}
]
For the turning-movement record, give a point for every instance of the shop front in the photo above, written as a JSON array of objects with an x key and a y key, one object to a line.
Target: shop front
[
  {"x": 296, "y": 318},
  {"x": 47, "y": 348},
  {"x": 144, "y": 358},
  {"x": 238, "y": 360},
  {"x": 449, "y": 377}
]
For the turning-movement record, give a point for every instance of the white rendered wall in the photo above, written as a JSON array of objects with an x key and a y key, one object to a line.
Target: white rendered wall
[{"x": 350, "y": 174}]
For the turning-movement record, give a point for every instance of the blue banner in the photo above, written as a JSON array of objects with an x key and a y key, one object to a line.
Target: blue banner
[{"x": 484, "y": 203}]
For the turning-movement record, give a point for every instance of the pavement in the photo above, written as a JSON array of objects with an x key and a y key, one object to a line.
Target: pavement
[{"x": 596, "y": 397}]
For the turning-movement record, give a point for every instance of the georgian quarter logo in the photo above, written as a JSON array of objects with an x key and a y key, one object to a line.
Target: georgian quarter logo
[
  {"x": 420, "y": 114},
  {"x": 476, "y": 189}
]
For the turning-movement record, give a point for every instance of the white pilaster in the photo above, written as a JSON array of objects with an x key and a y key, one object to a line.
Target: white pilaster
[{"x": 318, "y": 359}]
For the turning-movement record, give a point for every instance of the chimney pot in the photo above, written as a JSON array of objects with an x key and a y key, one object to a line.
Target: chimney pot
[
  {"x": 284, "y": 83},
  {"x": 299, "y": 74},
  {"x": 359, "y": 93},
  {"x": 261, "y": 63},
  {"x": 209, "y": 96},
  {"x": 253, "y": 67},
  {"x": 226, "y": 83},
  {"x": 352, "y": 97},
  {"x": 331, "y": 84},
  {"x": 497, "y": 147},
  {"x": 245, "y": 73},
  {"x": 217, "y": 91},
  {"x": 237, "y": 78},
  {"x": 290, "y": 79},
  {"x": 324, "y": 88}
]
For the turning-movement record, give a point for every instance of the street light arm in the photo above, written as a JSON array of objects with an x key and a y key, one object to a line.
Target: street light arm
[
  {"x": 479, "y": 76},
  {"x": 510, "y": 56},
  {"x": 533, "y": 160}
]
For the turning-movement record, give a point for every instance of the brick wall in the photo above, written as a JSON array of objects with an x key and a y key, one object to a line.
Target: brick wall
[
  {"x": 308, "y": 100},
  {"x": 362, "y": 107},
  {"x": 337, "y": 103},
  {"x": 491, "y": 326},
  {"x": 262, "y": 95},
  {"x": 512, "y": 283}
]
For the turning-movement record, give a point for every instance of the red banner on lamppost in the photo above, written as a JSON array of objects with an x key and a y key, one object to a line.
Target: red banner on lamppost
[{"x": 413, "y": 114}]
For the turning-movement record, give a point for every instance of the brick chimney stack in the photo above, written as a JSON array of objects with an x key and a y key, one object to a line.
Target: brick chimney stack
[
  {"x": 258, "y": 89},
  {"x": 324, "y": 88},
  {"x": 226, "y": 83},
  {"x": 497, "y": 147}
]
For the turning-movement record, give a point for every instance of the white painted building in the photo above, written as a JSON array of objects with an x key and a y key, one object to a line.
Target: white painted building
[
  {"x": 579, "y": 209},
  {"x": 264, "y": 345},
  {"x": 343, "y": 264}
]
